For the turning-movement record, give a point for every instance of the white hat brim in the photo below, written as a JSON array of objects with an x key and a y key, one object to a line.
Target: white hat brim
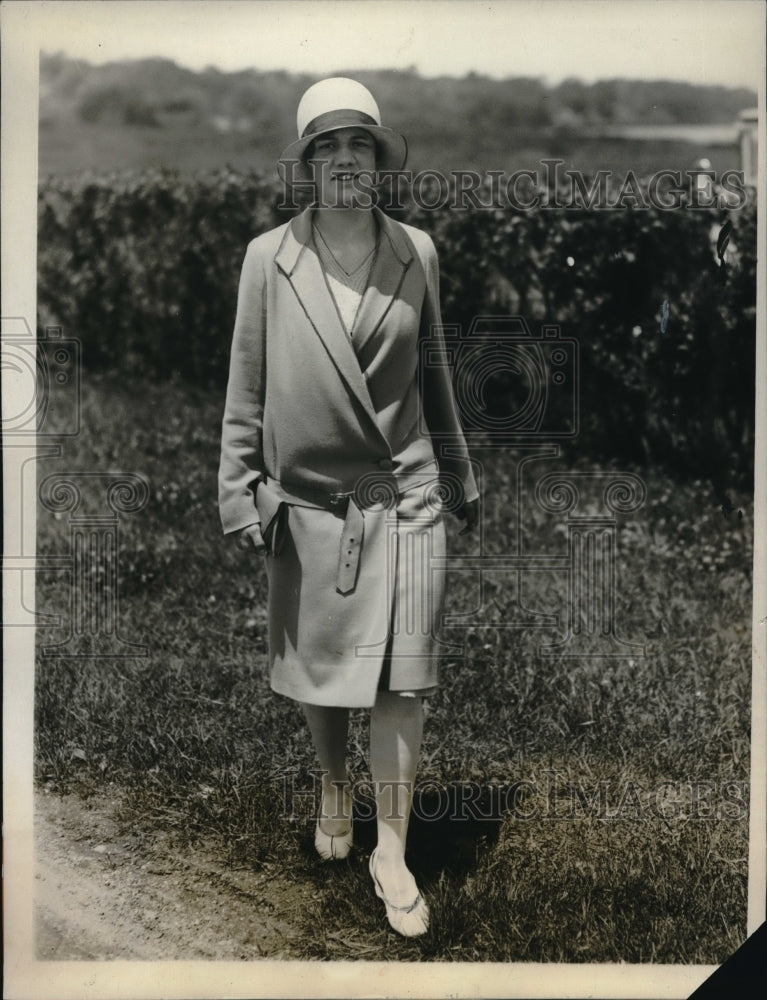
[{"x": 391, "y": 151}]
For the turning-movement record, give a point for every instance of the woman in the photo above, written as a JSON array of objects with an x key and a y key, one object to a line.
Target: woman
[{"x": 337, "y": 439}]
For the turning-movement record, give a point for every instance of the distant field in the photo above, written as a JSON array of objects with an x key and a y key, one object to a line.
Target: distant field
[
  {"x": 69, "y": 147},
  {"x": 700, "y": 135},
  {"x": 153, "y": 112}
]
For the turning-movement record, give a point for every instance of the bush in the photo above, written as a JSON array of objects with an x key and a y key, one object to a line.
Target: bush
[
  {"x": 678, "y": 389},
  {"x": 143, "y": 269}
]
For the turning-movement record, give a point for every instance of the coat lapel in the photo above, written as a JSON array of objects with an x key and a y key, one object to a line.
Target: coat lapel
[
  {"x": 298, "y": 261},
  {"x": 388, "y": 272}
]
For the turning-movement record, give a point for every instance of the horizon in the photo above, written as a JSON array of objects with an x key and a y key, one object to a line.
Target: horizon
[{"x": 547, "y": 81}]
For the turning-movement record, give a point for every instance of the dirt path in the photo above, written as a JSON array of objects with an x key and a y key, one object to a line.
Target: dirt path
[{"x": 104, "y": 895}]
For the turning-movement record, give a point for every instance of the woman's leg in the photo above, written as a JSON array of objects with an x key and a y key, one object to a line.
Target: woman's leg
[
  {"x": 329, "y": 728},
  {"x": 396, "y": 729}
]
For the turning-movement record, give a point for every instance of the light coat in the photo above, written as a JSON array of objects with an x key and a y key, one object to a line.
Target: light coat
[{"x": 318, "y": 413}]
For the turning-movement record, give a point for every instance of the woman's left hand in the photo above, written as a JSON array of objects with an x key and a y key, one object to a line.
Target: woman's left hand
[{"x": 470, "y": 514}]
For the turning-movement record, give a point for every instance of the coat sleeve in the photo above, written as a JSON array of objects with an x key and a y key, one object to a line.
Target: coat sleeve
[
  {"x": 439, "y": 407},
  {"x": 241, "y": 463}
]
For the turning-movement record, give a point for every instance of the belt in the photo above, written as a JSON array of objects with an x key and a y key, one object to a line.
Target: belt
[
  {"x": 346, "y": 505},
  {"x": 349, "y": 505}
]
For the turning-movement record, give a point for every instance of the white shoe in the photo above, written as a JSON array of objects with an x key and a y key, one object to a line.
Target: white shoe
[
  {"x": 335, "y": 847},
  {"x": 409, "y": 921}
]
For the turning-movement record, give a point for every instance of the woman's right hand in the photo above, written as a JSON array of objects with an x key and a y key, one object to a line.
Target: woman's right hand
[{"x": 251, "y": 538}]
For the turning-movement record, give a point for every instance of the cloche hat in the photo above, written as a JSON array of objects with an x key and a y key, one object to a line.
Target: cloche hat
[{"x": 339, "y": 102}]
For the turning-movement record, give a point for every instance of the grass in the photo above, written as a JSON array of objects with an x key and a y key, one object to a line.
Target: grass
[{"x": 189, "y": 739}]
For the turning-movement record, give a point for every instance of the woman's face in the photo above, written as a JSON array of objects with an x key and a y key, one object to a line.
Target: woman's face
[{"x": 339, "y": 159}]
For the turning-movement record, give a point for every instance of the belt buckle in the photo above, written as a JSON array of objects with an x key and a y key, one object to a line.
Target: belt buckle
[{"x": 339, "y": 502}]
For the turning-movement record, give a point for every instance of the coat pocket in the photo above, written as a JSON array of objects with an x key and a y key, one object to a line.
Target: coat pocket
[{"x": 273, "y": 513}]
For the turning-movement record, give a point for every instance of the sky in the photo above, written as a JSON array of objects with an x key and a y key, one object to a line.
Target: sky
[{"x": 700, "y": 41}]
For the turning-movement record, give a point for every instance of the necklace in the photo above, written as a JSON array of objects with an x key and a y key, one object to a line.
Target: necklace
[{"x": 355, "y": 269}]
